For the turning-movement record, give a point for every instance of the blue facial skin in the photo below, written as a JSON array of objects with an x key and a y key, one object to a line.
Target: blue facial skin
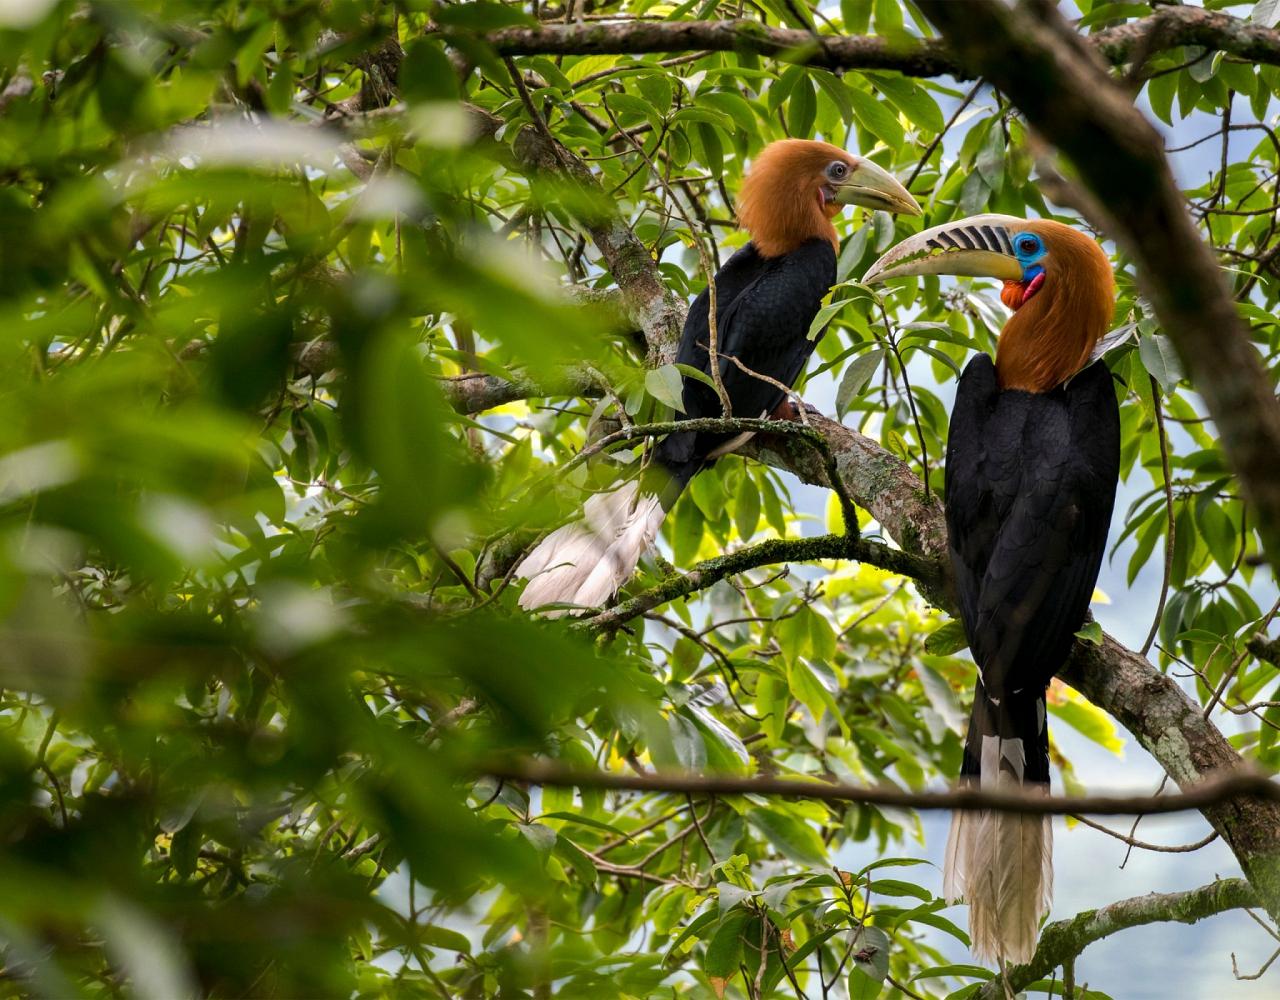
[{"x": 1029, "y": 248}]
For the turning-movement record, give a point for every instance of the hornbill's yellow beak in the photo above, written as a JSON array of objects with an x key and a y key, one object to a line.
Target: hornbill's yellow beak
[
  {"x": 979, "y": 246},
  {"x": 872, "y": 186}
]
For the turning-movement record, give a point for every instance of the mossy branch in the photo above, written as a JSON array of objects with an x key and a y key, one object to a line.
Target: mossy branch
[
  {"x": 1062, "y": 940},
  {"x": 775, "y": 550}
]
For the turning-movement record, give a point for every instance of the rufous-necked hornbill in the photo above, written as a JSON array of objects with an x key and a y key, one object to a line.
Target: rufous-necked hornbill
[
  {"x": 1033, "y": 455},
  {"x": 767, "y": 295}
]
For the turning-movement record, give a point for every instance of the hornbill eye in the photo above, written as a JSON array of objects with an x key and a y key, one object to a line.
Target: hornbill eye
[
  {"x": 838, "y": 170},
  {"x": 1028, "y": 244}
]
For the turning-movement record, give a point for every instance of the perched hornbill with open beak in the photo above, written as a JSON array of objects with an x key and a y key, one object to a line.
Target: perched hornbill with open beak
[
  {"x": 1033, "y": 455},
  {"x": 767, "y": 295}
]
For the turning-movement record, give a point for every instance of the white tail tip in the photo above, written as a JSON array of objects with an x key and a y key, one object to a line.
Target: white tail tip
[
  {"x": 584, "y": 562},
  {"x": 1002, "y": 865}
]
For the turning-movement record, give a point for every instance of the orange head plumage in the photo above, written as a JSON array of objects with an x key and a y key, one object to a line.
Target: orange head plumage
[
  {"x": 1060, "y": 310},
  {"x": 796, "y": 187},
  {"x": 1057, "y": 280}
]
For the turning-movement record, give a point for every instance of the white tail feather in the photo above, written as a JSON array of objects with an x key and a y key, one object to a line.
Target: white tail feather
[
  {"x": 1002, "y": 864},
  {"x": 584, "y": 562}
]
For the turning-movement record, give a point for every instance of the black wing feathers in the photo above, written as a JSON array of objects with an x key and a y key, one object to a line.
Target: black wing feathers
[
  {"x": 1031, "y": 482},
  {"x": 764, "y": 307}
]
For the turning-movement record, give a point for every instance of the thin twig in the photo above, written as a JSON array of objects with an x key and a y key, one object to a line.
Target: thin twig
[
  {"x": 1143, "y": 845},
  {"x": 955, "y": 115}
]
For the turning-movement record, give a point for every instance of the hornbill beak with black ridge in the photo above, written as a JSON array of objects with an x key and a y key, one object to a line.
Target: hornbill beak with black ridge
[
  {"x": 767, "y": 295},
  {"x": 1033, "y": 456}
]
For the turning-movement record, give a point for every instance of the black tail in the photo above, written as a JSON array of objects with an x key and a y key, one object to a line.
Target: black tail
[
  {"x": 1016, "y": 717},
  {"x": 1002, "y": 863}
]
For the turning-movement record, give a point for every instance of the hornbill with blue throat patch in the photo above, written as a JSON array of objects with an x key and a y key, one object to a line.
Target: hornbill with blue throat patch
[
  {"x": 1033, "y": 456},
  {"x": 767, "y": 295}
]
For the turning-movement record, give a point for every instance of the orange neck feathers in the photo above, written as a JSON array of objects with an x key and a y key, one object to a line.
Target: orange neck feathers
[
  {"x": 1051, "y": 335},
  {"x": 781, "y": 202}
]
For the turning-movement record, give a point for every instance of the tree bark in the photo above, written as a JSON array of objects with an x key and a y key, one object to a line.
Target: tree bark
[{"x": 1166, "y": 28}]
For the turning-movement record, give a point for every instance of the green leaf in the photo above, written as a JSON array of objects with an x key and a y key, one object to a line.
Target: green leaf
[
  {"x": 436, "y": 936},
  {"x": 863, "y": 986},
  {"x": 706, "y": 116},
  {"x": 857, "y": 376},
  {"x": 733, "y": 106},
  {"x": 870, "y": 963},
  {"x": 876, "y": 118},
  {"x": 697, "y": 374},
  {"x": 184, "y": 849},
  {"x": 837, "y": 92},
  {"x": 724, "y": 950},
  {"x": 1160, "y": 359},
  {"x": 974, "y": 194},
  {"x": 911, "y": 99},
  {"x": 856, "y": 15},
  {"x": 581, "y": 820},
  {"x": 666, "y": 386},
  {"x": 426, "y": 73},
  {"x": 802, "y": 108},
  {"x": 482, "y": 16},
  {"x": 990, "y": 160},
  {"x": 897, "y": 887},
  {"x": 585, "y": 868},
  {"x": 955, "y": 972},
  {"x": 1090, "y": 632},
  {"x": 746, "y": 508},
  {"x": 1160, "y": 91},
  {"x": 811, "y": 692},
  {"x": 824, "y": 316},
  {"x": 729, "y": 895},
  {"x": 948, "y": 638},
  {"x": 1088, "y": 719},
  {"x": 793, "y": 837},
  {"x": 657, "y": 89}
]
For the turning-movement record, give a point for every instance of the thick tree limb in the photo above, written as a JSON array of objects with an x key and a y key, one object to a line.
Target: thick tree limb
[
  {"x": 1188, "y": 746},
  {"x": 542, "y": 771},
  {"x": 923, "y": 58},
  {"x": 1168, "y": 27},
  {"x": 1063, "y": 940},
  {"x": 476, "y": 393},
  {"x": 878, "y": 482}
]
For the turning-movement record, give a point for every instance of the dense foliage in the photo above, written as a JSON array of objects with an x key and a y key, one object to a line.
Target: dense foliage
[{"x": 259, "y": 632}]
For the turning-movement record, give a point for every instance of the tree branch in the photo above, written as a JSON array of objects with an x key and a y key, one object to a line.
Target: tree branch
[
  {"x": 1062, "y": 940},
  {"x": 1168, "y": 27},
  {"x": 1265, "y": 649},
  {"x": 926, "y": 57},
  {"x": 775, "y": 550},
  {"x": 1216, "y": 790}
]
